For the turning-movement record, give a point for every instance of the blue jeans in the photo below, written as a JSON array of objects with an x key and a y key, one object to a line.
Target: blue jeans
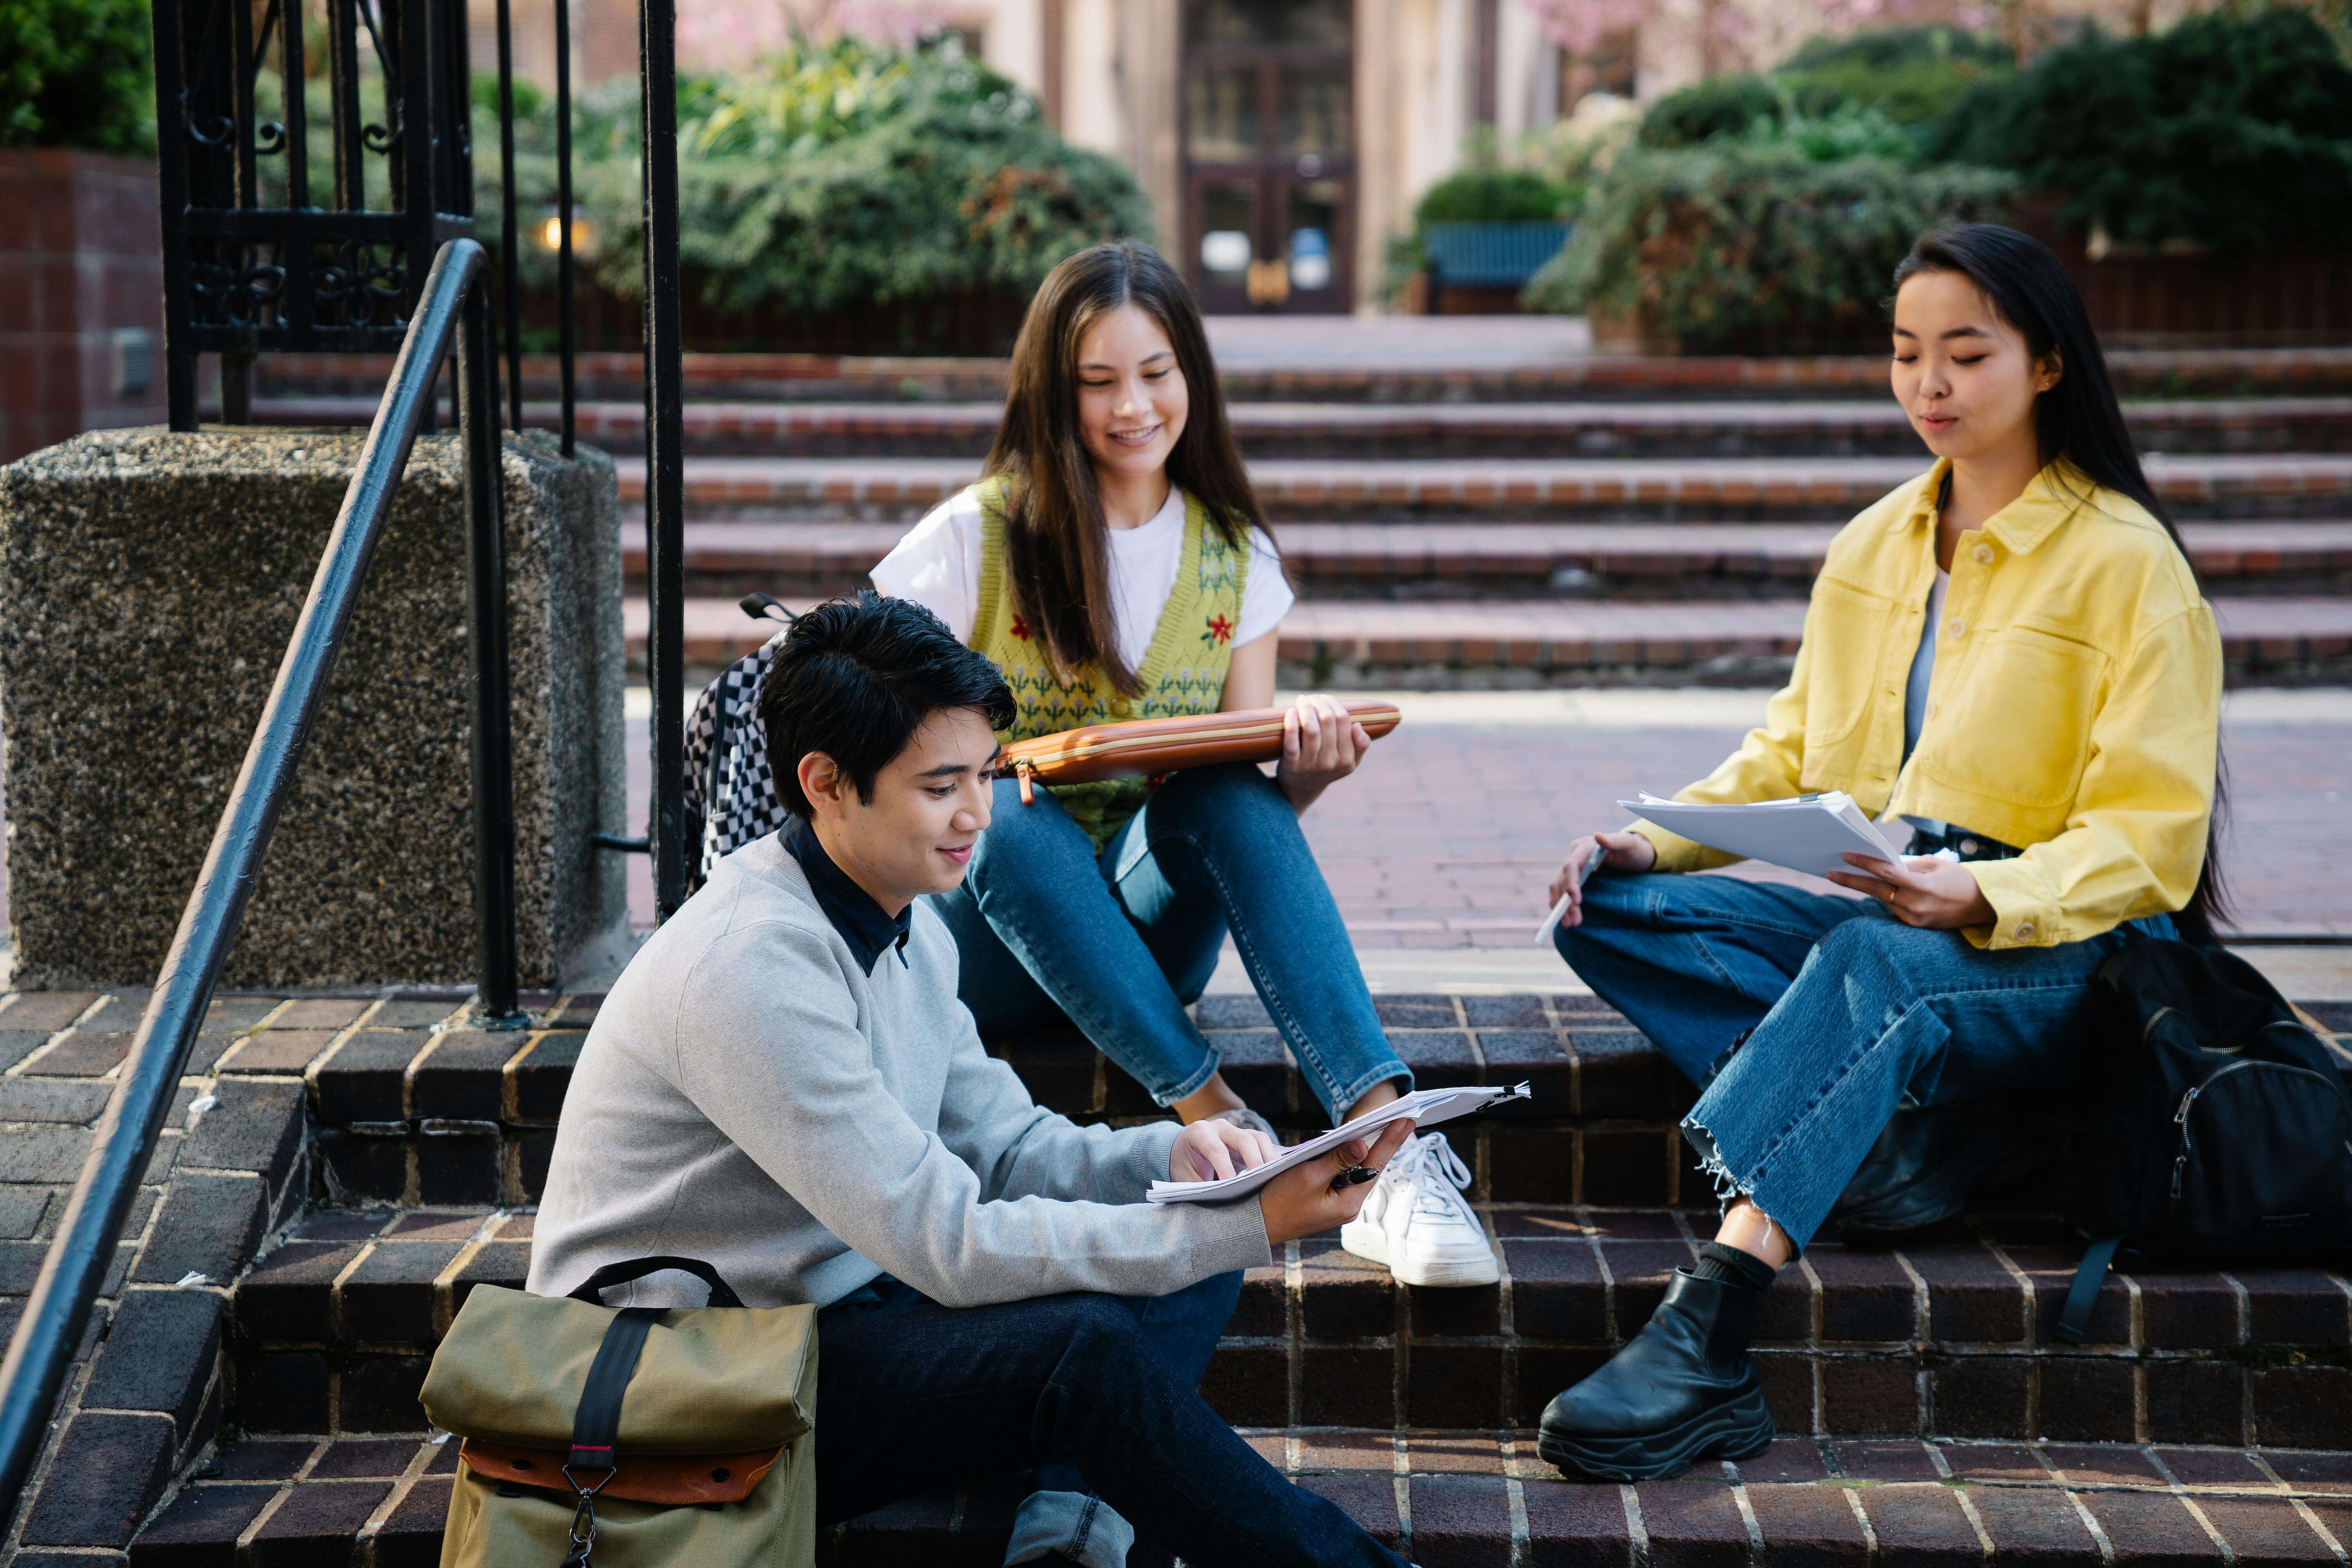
[
  {"x": 1847, "y": 1010},
  {"x": 1097, "y": 1393},
  {"x": 1123, "y": 942}
]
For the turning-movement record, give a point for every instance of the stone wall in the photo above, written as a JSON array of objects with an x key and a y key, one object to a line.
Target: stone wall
[{"x": 149, "y": 582}]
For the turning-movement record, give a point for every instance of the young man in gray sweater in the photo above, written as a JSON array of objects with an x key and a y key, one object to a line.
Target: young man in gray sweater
[{"x": 784, "y": 1085}]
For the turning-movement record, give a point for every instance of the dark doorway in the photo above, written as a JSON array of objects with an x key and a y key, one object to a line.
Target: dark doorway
[{"x": 1269, "y": 154}]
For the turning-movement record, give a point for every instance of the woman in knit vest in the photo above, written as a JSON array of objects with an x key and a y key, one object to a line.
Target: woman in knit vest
[{"x": 1114, "y": 564}]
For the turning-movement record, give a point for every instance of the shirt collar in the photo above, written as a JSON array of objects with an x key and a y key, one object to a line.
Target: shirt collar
[
  {"x": 2053, "y": 495},
  {"x": 850, "y": 908}
]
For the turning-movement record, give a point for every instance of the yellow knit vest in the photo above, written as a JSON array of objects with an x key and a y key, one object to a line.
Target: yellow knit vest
[{"x": 1184, "y": 672}]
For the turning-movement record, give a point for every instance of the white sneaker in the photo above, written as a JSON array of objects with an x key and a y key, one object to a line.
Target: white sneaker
[{"x": 1419, "y": 1224}]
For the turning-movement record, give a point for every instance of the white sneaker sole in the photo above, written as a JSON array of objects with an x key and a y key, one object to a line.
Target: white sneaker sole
[{"x": 1370, "y": 1242}]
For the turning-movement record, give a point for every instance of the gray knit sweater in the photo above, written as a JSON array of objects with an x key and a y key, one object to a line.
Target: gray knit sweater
[{"x": 750, "y": 1097}]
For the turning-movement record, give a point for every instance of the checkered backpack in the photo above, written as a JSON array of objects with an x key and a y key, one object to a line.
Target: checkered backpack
[{"x": 730, "y": 792}]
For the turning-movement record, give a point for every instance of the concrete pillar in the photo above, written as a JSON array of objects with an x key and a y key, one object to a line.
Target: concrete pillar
[{"x": 148, "y": 585}]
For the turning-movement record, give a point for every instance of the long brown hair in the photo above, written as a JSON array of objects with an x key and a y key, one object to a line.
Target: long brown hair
[{"x": 1056, "y": 556}]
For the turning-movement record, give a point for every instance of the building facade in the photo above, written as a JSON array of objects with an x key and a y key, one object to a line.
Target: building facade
[{"x": 1283, "y": 142}]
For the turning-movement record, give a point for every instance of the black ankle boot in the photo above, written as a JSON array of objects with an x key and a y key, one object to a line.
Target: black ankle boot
[{"x": 1684, "y": 1388}]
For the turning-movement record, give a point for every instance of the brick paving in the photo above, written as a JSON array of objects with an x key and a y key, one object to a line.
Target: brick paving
[{"x": 1448, "y": 835}]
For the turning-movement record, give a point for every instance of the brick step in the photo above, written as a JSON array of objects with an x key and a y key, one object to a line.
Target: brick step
[
  {"x": 1391, "y": 432},
  {"x": 1510, "y": 560},
  {"x": 405, "y": 1115},
  {"x": 1949, "y": 1337},
  {"x": 1698, "y": 489},
  {"x": 1447, "y": 1499},
  {"x": 769, "y": 377},
  {"x": 1442, "y": 645}
]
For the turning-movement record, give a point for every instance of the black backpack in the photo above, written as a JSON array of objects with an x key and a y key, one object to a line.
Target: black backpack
[{"x": 2215, "y": 1125}]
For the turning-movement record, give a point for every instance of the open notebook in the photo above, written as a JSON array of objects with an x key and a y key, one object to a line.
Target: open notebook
[
  {"x": 1426, "y": 1107},
  {"x": 1806, "y": 832}
]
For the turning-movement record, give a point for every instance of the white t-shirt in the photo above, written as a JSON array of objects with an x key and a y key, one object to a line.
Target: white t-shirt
[{"x": 937, "y": 567}]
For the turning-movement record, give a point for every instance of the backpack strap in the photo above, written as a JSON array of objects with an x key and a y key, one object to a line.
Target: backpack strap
[
  {"x": 2075, "y": 1318},
  {"x": 596, "y": 1423}
]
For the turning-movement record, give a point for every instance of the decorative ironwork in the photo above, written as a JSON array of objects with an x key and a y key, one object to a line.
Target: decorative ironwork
[{"x": 259, "y": 259}]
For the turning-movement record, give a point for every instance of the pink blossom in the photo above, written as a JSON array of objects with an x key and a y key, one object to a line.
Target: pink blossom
[{"x": 727, "y": 34}]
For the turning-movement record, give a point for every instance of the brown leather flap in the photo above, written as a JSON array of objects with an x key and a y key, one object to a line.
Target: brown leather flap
[
  {"x": 671, "y": 1479},
  {"x": 1143, "y": 747}
]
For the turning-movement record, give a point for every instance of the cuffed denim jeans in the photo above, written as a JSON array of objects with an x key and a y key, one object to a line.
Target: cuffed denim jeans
[
  {"x": 1846, "y": 1010},
  {"x": 1097, "y": 1393},
  {"x": 1123, "y": 942}
]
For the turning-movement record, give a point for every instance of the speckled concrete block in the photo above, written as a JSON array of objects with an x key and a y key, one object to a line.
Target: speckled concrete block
[{"x": 149, "y": 582}]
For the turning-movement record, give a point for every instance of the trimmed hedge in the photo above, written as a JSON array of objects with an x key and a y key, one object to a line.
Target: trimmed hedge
[
  {"x": 2232, "y": 132},
  {"x": 841, "y": 178},
  {"x": 1749, "y": 247}
]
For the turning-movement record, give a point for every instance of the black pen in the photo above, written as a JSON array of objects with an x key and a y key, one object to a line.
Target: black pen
[{"x": 1354, "y": 1175}]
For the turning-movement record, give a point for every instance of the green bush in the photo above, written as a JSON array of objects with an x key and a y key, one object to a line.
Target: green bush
[
  {"x": 1745, "y": 246},
  {"x": 1910, "y": 75},
  {"x": 2226, "y": 130},
  {"x": 1493, "y": 196},
  {"x": 838, "y": 178},
  {"x": 1840, "y": 131},
  {"x": 77, "y": 73},
  {"x": 1720, "y": 105}
]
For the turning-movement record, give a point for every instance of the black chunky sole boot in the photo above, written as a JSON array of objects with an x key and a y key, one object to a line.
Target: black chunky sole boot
[{"x": 1683, "y": 1389}]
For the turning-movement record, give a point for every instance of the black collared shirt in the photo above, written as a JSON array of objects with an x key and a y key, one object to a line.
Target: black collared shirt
[{"x": 850, "y": 908}]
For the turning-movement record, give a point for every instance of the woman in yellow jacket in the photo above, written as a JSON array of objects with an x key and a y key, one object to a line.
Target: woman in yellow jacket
[{"x": 2012, "y": 656}]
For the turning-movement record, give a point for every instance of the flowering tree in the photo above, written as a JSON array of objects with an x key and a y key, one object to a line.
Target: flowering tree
[
  {"x": 1580, "y": 26},
  {"x": 721, "y": 35}
]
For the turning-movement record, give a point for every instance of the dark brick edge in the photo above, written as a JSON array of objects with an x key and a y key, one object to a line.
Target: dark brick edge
[{"x": 144, "y": 1402}]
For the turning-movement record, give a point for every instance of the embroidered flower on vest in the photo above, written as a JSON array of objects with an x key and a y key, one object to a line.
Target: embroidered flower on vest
[
  {"x": 1021, "y": 628},
  {"x": 1221, "y": 631}
]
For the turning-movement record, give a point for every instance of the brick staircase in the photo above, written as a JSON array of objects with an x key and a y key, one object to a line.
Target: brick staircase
[
  {"x": 1926, "y": 1414},
  {"x": 1613, "y": 502}
]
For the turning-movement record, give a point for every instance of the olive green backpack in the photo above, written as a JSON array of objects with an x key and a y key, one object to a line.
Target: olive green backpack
[{"x": 597, "y": 1438}]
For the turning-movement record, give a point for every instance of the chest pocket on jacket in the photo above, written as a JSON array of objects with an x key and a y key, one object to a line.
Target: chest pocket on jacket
[
  {"x": 1839, "y": 687},
  {"x": 2039, "y": 693}
]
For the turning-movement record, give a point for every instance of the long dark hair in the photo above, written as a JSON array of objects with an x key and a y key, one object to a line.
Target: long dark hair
[
  {"x": 1056, "y": 559},
  {"x": 2077, "y": 419}
]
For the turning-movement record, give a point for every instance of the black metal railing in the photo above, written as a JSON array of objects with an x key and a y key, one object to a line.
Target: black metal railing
[
  {"x": 664, "y": 455},
  {"x": 41, "y": 1351}
]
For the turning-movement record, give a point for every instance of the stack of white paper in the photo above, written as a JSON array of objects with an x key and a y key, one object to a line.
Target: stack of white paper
[
  {"x": 1425, "y": 1107},
  {"x": 1807, "y": 833}
]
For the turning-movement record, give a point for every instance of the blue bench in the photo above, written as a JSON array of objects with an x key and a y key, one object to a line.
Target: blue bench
[{"x": 1488, "y": 256}]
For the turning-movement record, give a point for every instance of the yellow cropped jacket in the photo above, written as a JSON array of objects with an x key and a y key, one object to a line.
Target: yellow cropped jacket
[{"x": 2074, "y": 709}]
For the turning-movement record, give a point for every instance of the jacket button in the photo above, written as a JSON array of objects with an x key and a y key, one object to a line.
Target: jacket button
[
  {"x": 1955, "y": 627},
  {"x": 1984, "y": 555},
  {"x": 2025, "y": 931},
  {"x": 1968, "y": 846}
]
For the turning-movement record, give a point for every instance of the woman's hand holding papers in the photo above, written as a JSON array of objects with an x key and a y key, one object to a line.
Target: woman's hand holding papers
[
  {"x": 1920, "y": 891},
  {"x": 1301, "y": 1201},
  {"x": 1215, "y": 1149},
  {"x": 1627, "y": 852}
]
